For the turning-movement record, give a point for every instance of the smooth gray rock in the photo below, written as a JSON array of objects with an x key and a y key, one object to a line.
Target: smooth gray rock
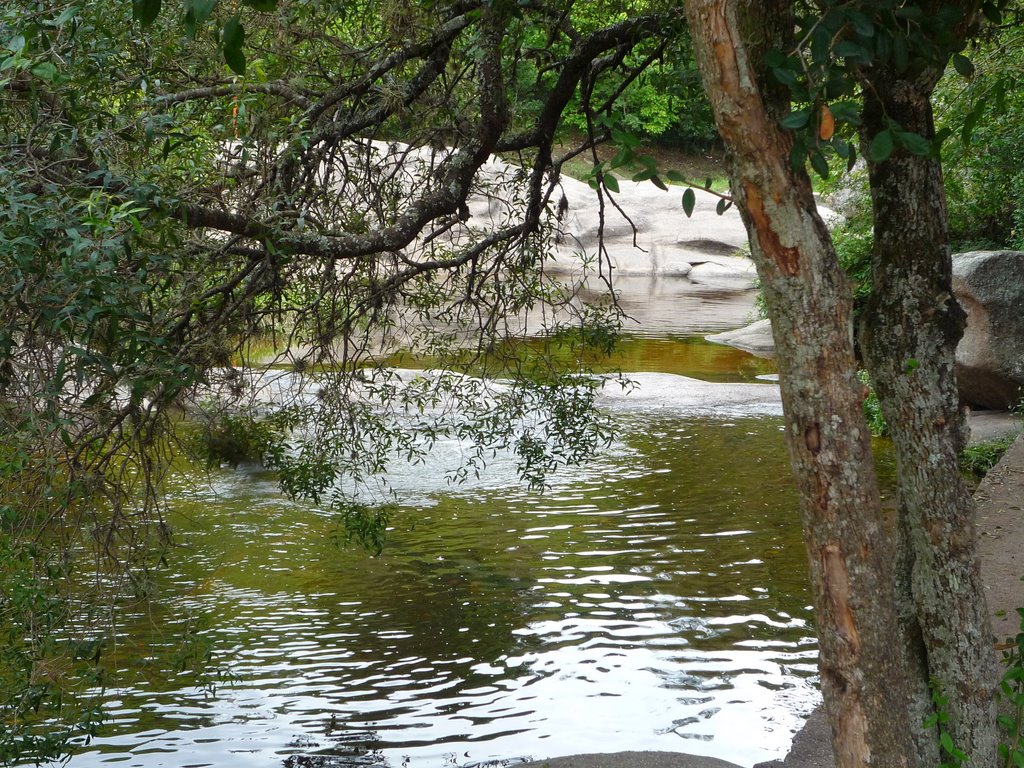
[
  {"x": 991, "y": 425},
  {"x": 990, "y": 358},
  {"x": 755, "y": 338},
  {"x": 646, "y": 233},
  {"x": 812, "y": 746},
  {"x": 688, "y": 396}
]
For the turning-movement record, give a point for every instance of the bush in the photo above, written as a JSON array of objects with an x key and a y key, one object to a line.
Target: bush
[{"x": 984, "y": 157}]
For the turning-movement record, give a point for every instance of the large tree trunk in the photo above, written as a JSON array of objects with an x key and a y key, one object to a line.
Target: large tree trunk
[
  {"x": 867, "y": 679},
  {"x": 912, "y": 327}
]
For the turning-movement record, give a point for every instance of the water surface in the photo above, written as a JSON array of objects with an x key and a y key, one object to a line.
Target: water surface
[{"x": 654, "y": 599}]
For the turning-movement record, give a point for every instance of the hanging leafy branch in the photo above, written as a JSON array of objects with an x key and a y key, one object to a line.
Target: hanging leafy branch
[
  {"x": 196, "y": 194},
  {"x": 837, "y": 41}
]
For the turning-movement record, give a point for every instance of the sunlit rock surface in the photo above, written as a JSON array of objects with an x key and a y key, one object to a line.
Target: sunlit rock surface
[
  {"x": 691, "y": 397},
  {"x": 990, "y": 358},
  {"x": 645, "y": 232},
  {"x": 755, "y": 338}
]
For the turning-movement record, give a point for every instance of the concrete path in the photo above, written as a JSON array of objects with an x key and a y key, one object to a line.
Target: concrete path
[{"x": 1000, "y": 530}]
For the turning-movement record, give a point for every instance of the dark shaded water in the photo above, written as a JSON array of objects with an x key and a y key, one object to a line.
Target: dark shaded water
[{"x": 655, "y": 599}]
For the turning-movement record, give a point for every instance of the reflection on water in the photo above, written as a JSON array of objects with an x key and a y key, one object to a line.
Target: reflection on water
[
  {"x": 689, "y": 357},
  {"x": 654, "y": 600}
]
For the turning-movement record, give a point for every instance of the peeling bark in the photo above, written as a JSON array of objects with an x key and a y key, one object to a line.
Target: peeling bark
[{"x": 865, "y": 671}]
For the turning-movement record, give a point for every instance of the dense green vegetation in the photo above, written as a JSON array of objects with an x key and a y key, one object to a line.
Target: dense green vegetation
[{"x": 979, "y": 119}]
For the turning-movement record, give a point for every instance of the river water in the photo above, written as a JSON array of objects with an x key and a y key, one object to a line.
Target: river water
[{"x": 655, "y": 599}]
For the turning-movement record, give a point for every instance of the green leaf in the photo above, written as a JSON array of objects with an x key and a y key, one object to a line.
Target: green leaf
[
  {"x": 625, "y": 139},
  {"x": 647, "y": 161},
  {"x": 232, "y": 39},
  {"x": 689, "y": 201},
  {"x": 235, "y": 59},
  {"x": 723, "y": 206},
  {"x": 796, "y": 120},
  {"x": 915, "y": 143},
  {"x": 656, "y": 181},
  {"x": 900, "y": 54},
  {"x": 265, "y": 6},
  {"x": 820, "y": 164},
  {"x": 610, "y": 182},
  {"x": 861, "y": 23},
  {"x": 675, "y": 176},
  {"x": 946, "y": 741},
  {"x": 66, "y": 15},
  {"x": 845, "y": 111},
  {"x": 992, "y": 12},
  {"x": 16, "y": 44},
  {"x": 963, "y": 65},
  {"x": 622, "y": 157},
  {"x": 233, "y": 33},
  {"x": 848, "y": 49},
  {"x": 145, "y": 11},
  {"x": 798, "y": 154},
  {"x": 201, "y": 9},
  {"x": 967, "y": 131},
  {"x": 45, "y": 70},
  {"x": 784, "y": 76},
  {"x": 882, "y": 146}
]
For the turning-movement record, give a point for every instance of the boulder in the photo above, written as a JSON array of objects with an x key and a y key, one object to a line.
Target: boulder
[
  {"x": 755, "y": 338},
  {"x": 646, "y": 233},
  {"x": 990, "y": 358}
]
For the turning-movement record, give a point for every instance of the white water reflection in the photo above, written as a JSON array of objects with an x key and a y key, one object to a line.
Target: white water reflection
[{"x": 655, "y": 600}]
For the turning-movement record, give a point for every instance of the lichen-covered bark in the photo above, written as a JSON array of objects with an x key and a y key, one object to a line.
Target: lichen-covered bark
[
  {"x": 912, "y": 327},
  {"x": 867, "y": 676}
]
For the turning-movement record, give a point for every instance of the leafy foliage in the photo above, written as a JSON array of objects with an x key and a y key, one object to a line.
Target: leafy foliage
[
  {"x": 837, "y": 43},
  {"x": 952, "y": 755},
  {"x": 976, "y": 460},
  {"x": 872, "y": 407},
  {"x": 242, "y": 214},
  {"x": 984, "y": 187}
]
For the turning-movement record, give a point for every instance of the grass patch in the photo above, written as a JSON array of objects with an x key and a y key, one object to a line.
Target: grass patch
[{"x": 978, "y": 459}]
